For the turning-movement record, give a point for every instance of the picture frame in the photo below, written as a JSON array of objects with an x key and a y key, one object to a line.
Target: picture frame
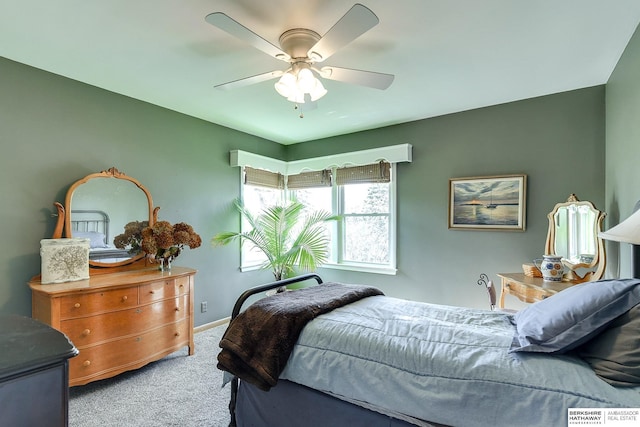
[{"x": 488, "y": 203}]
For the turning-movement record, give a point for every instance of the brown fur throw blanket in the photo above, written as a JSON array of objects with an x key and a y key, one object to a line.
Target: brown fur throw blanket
[{"x": 258, "y": 342}]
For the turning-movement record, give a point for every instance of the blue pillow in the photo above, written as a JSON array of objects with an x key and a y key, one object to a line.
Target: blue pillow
[{"x": 573, "y": 316}]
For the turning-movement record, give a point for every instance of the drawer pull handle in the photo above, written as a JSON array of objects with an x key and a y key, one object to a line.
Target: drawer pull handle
[
  {"x": 508, "y": 286},
  {"x": 77, "y": 305},
  {"x": 138, "y": 339},
  {"x": 138, "y": 310},
  {"x": 124, "y": 298},
  {"x": 86, "y": 363},
  {"x": 86, "y": 332},
  {"x": 177, "y": 308},
  {"x": 177, "y": 334}
]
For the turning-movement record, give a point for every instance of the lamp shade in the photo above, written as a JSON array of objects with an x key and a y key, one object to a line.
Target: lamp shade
[
  {"x": 306, "y": 80},
  {"x": 628, "y": 231},
  {"x": 286, "y": 84},
  {"x": 318, "y": 91}
]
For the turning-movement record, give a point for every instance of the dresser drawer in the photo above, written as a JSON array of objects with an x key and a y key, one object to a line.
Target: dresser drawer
[
  {"x": 162, "y": 289},
  {"x": 128, "y": 353},
  {"x": 85, "y": 331},
  {"x": 98, "y": 302}
]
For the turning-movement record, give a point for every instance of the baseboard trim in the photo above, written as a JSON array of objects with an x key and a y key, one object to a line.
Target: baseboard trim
[{"x": 210, "y": 325}]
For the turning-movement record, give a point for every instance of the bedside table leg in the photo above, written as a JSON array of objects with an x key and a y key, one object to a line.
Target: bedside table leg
[{"x": 503, "y": 292}]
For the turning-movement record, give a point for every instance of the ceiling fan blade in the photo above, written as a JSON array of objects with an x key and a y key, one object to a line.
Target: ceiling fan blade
[
  {"x": 233, "y": 27},
  {"x": 358, "y": 20},
  {"x": 246, "y": 81},
  {"x": 363, "y": 78}
]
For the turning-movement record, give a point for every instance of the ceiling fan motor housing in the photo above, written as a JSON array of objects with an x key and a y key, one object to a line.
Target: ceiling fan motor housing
[{"x": 297, "y": 42}]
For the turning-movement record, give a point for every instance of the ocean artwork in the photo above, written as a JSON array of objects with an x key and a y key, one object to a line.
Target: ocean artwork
[{"x": 487, "y": 202}]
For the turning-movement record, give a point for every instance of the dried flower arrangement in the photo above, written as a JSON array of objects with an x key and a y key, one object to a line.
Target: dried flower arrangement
[
  {"x": 162, "y": 241},
  {"x": 131, "y": 239},
  {"x": 165, "y": 241}
]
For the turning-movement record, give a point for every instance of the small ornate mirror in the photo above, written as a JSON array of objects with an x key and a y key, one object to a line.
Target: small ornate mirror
[
  {"x": 573, "y": 234},
  {"x": 98, "y": 207}
]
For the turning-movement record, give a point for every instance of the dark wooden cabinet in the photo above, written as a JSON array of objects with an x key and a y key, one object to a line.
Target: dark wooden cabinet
[{"x": 34, "y": 373}]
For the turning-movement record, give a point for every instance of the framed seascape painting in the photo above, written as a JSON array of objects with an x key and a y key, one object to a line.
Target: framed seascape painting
[{"x": 488, "y": 203}]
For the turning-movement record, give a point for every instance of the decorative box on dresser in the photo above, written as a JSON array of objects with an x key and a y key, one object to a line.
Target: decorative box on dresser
[{"x": 120, "y": 320}]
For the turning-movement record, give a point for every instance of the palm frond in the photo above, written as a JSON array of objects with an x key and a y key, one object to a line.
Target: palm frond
[{"x": 272, "y": 233}]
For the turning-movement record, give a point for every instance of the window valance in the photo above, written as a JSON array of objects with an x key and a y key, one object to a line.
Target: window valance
[{"x": 391, "y": 154}]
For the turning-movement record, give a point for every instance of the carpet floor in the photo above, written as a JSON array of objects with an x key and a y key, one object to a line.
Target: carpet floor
[{"x": 178, "y": 390}]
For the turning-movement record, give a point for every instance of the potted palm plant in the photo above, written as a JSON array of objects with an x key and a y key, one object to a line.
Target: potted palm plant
[{"x": 285, "y": 235}]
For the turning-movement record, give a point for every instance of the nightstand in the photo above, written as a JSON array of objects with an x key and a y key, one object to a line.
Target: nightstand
[{"x": 529, "y": 289}]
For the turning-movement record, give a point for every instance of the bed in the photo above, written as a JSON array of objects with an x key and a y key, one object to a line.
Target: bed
[
  {"x": 94, "y": 225},
  {"x": 375, "y": 360}
]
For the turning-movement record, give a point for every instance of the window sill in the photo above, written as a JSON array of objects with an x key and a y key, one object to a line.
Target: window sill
[{"x": 361, "y": 268}]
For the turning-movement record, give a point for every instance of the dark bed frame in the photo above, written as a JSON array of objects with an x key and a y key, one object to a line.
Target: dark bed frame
[{"x": 236, "y": 310}]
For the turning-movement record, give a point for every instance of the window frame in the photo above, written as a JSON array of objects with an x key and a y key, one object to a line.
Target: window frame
[
  {"x": 337, "y": 231},
  {"x": 393, "y": 154},
  {"x": 338, "y": 261}
]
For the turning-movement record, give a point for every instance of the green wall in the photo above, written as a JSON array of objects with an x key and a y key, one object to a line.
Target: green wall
[
  {"x": 623, "y": 151},
  {"x": 556, "y": 140},
  {"x": 54, "y": 131}
]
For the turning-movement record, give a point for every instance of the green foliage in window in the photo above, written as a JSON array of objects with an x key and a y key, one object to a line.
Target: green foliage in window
[{"x": 287, "y": 234}]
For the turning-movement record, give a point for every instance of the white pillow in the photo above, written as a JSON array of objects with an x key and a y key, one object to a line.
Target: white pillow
[
  {"x": 571, "y": 317},
  {"x": 96, "y": 239}
]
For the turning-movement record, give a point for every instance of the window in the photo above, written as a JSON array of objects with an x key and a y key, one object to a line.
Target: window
[
  {"x": 366, "y": 226},
  {"x": 364, "y": 196},
  {"x": 260, "y": 188}
]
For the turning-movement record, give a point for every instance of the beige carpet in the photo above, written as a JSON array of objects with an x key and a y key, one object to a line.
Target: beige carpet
[{"x": 179, "y": 390}]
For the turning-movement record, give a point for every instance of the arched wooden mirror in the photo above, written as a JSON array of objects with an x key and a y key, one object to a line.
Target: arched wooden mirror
[
  {"x": 98, "y": 207},
  {"x": 573, "y": 234}
]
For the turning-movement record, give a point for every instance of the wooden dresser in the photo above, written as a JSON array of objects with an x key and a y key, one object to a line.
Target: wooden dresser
[{"x": 119, "y": 321}]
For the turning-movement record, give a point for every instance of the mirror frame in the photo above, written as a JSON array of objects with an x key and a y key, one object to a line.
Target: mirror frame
[
  {"x": 599, "y": 261},
  {"x": 64, "y": 215}
]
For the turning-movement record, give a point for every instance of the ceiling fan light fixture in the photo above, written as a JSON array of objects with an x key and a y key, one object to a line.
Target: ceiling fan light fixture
[
  {"x": 298, "y": 81},
  {"x": 306, "y": 80},
  {"x": 318, "y": 91},
  {"x": 286, "y": 84},
  {"x": 297, "y": 97}
]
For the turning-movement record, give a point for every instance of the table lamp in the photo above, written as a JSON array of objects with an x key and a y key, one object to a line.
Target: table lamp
[{"x": 628, "y": 231}]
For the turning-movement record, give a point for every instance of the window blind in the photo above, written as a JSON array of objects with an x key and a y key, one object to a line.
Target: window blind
[
  {"x": 263, "y": 178},
  {"x": 311, "y": 179},
  {"x": 375, "y": 172}
]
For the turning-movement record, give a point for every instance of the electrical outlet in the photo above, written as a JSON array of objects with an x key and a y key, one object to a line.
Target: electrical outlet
[{"x": 203, "y": 307}]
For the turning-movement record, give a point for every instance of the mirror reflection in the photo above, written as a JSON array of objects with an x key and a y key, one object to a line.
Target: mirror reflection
[
  {"x": 573, "y": 234},
  {"x": 99, "y": 206}
]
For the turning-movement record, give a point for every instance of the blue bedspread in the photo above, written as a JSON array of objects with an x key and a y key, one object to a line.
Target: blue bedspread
[{"x": 443, "y": 364}]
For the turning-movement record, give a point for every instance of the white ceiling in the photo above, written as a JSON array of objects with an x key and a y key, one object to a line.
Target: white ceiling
[{"x": 447, "y": 55}]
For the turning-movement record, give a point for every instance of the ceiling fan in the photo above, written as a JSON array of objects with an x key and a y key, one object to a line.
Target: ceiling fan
[{"x": 302, "y": 49}]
